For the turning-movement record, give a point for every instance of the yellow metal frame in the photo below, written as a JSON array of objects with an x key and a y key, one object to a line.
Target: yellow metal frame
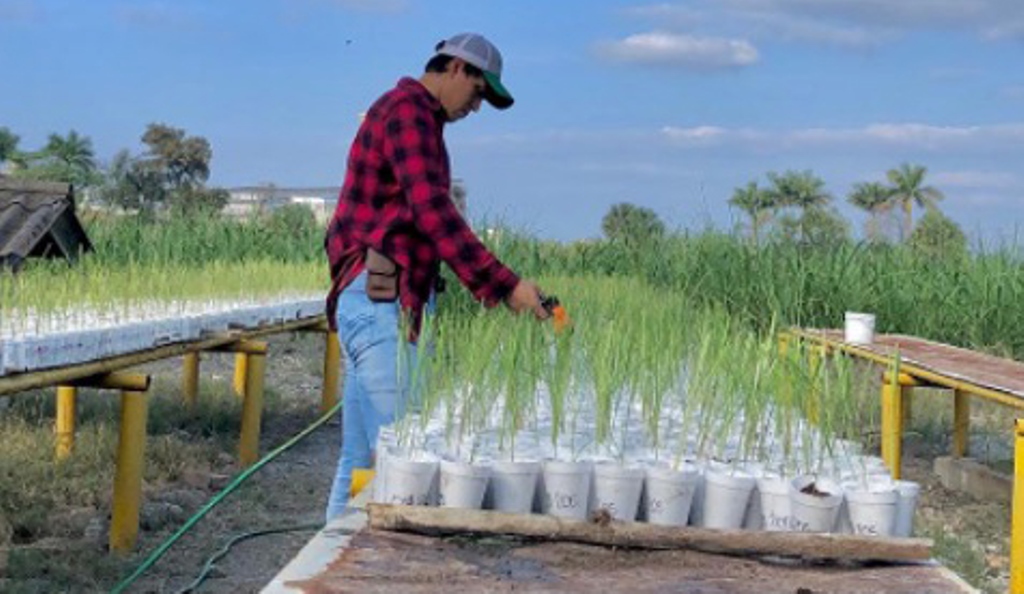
[
  {"x": 105, "y": 374},
  {"x": 896, "y": 395},
  {"x": 1017, "y": 523}
]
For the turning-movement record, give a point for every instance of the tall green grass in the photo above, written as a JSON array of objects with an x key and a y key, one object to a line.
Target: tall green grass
[{"x": 975, "y": 301}]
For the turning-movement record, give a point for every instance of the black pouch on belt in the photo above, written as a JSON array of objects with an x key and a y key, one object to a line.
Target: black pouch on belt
[{"x": 381, "y": 277}]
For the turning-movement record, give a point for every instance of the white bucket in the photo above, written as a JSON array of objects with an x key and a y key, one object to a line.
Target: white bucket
[
  {"x": 513, "y": 485},
  {"x": 905, "y": 508},
  {"x": 774, "y": 492},
  {"x": 409, "y": 482},
  {"x": 565, "y": 489},
  {"x": 860, "y": 328},
  {"x": 872, "y": 510},
  {"x": 726, "y": 495},
  {"x": 669, "y": 494},
  {"x": 616, "y": 489},
  {"x": 814, "y": 512},
  {"x": 463, "y": 485}
]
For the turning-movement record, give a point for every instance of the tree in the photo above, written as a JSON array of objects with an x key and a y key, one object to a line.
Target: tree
[
  {"x": 67, "y": 159},
  {"x": 908, "y": 189},
  {"x": 172, "y": 173},
  {"x": 73, "y": 151},
  {"x": 8, "y": 144},
  {"x": 798, "y": 190},
  {"x": 938, "y": 236},
  {"x": 814, "y": 226},
  {"x": 876, "y": 199},
  {"x": 184, "y": 161},
  {"x": 631, "y": 224},
  {"x": 132, "y": 187},
  {"x": 757, "y": 203},
  {"x": 804, "y": 191}
]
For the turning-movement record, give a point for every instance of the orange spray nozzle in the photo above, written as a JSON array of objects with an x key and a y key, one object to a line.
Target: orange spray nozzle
[{"x": 559, "y": 317}]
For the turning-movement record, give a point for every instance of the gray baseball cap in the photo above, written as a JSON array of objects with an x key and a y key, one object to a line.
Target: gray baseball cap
[{"x": 476, "y": 50}]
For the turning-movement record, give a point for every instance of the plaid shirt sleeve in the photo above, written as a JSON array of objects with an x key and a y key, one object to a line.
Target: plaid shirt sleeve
[{"x": 413, "y": 146}]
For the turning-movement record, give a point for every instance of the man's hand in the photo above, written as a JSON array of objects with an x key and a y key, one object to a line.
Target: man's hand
[{"x": 526, "y": 297}]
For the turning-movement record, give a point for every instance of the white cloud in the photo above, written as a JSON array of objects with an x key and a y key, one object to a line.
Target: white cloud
[
  {"x": 712, "y": 135},
  {"x": 683, "y": 51},
  {"x": 1008, "y": 138},
  {"x": 851, "y": 23},
  {"x": 913, "y": 135}
]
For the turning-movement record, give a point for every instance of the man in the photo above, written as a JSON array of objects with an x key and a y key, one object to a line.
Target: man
[{"x": 394, "y": 224}]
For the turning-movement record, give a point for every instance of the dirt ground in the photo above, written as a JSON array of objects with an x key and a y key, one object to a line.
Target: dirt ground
[{"x": 972, "y": 536}]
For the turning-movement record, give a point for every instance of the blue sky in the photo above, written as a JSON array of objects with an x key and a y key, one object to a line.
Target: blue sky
[{"x": 666, "y": 105}]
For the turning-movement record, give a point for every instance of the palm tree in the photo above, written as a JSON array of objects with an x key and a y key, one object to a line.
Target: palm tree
[
  {"x": 73, "y": 151},
  {"x": 757, "y": 203},
  {"x": 907, "y": 189},
  {"x": 8, "y": 145},
  {"x": 802, "y": 190},
  {"x": 876, "y": 199}
]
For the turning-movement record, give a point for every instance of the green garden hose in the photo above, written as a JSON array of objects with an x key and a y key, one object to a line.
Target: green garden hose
[
  {"x": 210, "y": 563},
  {"x": 166, "y": 545}
]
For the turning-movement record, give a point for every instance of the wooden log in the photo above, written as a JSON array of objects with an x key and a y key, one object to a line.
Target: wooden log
[{"x": 436, "y": 521}]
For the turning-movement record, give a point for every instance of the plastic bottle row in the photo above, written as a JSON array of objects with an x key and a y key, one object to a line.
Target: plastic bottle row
[{"x": 32, "y": 352}]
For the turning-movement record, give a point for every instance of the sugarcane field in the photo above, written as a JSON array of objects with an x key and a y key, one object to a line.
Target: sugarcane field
[{"x": 726, "y": 299}]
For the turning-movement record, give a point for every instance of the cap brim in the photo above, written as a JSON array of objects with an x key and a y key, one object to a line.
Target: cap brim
[{"x": 497, "y": 95}]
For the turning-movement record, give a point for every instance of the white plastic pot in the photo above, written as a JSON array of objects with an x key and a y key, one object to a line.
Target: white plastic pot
[
  {"x": 616, "y": 489},
  {"x": 775, "y": 509},
  {"x": 565, "y": 489},
  {"x": 408, "y": 482},
  {"x": 905, "y": 508},
  {"x": 814, "y": 512},
  {"x": 860, "y": 328},
  {"x": 872, "y": 509},
  {"x": 669, "y": 494},
  {"x": 726, "y": 495},
  {"x": 513, "y": 485},
  {"x": 463, "y": 485}
]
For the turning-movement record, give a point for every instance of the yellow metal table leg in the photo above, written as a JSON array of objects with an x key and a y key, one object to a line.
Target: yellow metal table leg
[
  {"x": 332, "y": 367},
  {"x": 252, "y": 409},
  {"x": 815, "y": 355},
  {"x": 241, "y": 372},
  {"x": 124, "y": 525},
  {"x": 961, "y": 423},
  {"x": 892, "y": 426},
  {"x": 190, "y": 379},
  {"x": 65, "y": 427},
  {"x": 1017, "y": 525},
  {"x": 783, "y": 344}
]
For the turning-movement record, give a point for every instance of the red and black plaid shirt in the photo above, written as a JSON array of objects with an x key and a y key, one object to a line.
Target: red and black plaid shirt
[{"x": 396, "y": 200}]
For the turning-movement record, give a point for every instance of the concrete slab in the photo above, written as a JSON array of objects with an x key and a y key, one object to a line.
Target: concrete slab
[
  {"x": 325, "y": 546},
  {"x": 972, "y": 477}
]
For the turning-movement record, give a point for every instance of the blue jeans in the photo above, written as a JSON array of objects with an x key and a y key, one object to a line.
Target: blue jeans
[{"x": 375, "y": 393}]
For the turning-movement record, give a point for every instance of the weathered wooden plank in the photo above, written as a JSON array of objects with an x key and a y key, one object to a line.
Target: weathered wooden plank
[{"x": 435, "y": 521}]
